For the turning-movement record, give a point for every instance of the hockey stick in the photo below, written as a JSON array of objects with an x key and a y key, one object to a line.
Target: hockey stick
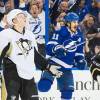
[
  {"x": 72, "y": 5},
  {"x": 82, "y": 42}
]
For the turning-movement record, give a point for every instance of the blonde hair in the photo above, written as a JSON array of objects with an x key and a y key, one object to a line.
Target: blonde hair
[{"x": 33, "y": 2}]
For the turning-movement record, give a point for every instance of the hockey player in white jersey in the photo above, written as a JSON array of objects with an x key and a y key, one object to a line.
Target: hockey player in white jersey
[
  {"x": 64, "y": 49},
  {"x": 19, "y": 62},
  {"x": 18, "y": 51}
]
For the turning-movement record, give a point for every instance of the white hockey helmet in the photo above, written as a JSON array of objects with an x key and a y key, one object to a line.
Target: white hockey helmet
[{"x": 12, "y": 14}]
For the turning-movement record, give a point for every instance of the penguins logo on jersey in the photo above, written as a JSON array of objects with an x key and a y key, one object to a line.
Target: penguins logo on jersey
[
  {"x": 25, "y": 46},
  {"x": 70, "y": 45}
]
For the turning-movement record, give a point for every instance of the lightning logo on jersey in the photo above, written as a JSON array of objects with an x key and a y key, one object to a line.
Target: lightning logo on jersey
[
  {"x": 70, "y": 46},
  {"x": 35, "y": 25}
]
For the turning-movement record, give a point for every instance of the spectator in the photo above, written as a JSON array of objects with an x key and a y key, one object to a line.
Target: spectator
[
  {"x": 87, "y": 26},
  {"x": 82, "y": 10},
  {"x": 35, "y": 25},
  {"x": 3, "y": 21},
  {"x": 2, "y": 7},
  {"x": 1, "y": 17},
  {"x": 90, "y": 30},
  {"x": 24, "y": 4},
  {"x": 57, "y": 13},
  {"x": 41, "y": 37},
  {"x": 95, "y": 8},
  {"x": 9, "y": 5}
]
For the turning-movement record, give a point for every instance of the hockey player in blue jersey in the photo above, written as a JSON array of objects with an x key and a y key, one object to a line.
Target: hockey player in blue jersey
[{"x": 65, "y": 49}]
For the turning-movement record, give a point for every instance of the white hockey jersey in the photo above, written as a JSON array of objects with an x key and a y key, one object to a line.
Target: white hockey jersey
[
  {"x": 22, "y": 50},
  {"x": 37, "y": 26}
]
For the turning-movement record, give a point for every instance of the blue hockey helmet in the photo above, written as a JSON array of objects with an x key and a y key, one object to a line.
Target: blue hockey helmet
[{"x": 71, "y": 16}]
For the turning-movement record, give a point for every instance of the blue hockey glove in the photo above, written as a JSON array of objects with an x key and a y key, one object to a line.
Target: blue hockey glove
[
  {"x": 59, "y": 51},
  {"x": 47, "y": 78},
  {"x": 45, "y": 82}
]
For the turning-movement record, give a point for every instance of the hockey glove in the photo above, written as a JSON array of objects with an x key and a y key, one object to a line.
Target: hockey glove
[
  {"x": 55, "y": 71},
  {"x": 45, "y": 81},
  {"x": 59, "y": 51}
]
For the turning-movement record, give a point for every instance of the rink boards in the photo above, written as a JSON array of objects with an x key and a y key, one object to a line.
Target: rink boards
[{"x": 85, "y": 88}]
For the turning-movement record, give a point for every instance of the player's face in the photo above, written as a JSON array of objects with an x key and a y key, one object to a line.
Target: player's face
[
  {"x": 20, "y": 20},
  {"x": 34, "y": 11},
  {"x": 73, "y": 26}
]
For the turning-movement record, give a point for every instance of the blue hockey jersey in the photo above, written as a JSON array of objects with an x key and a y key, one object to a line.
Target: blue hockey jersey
[{"x": 74, "y": 51}]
